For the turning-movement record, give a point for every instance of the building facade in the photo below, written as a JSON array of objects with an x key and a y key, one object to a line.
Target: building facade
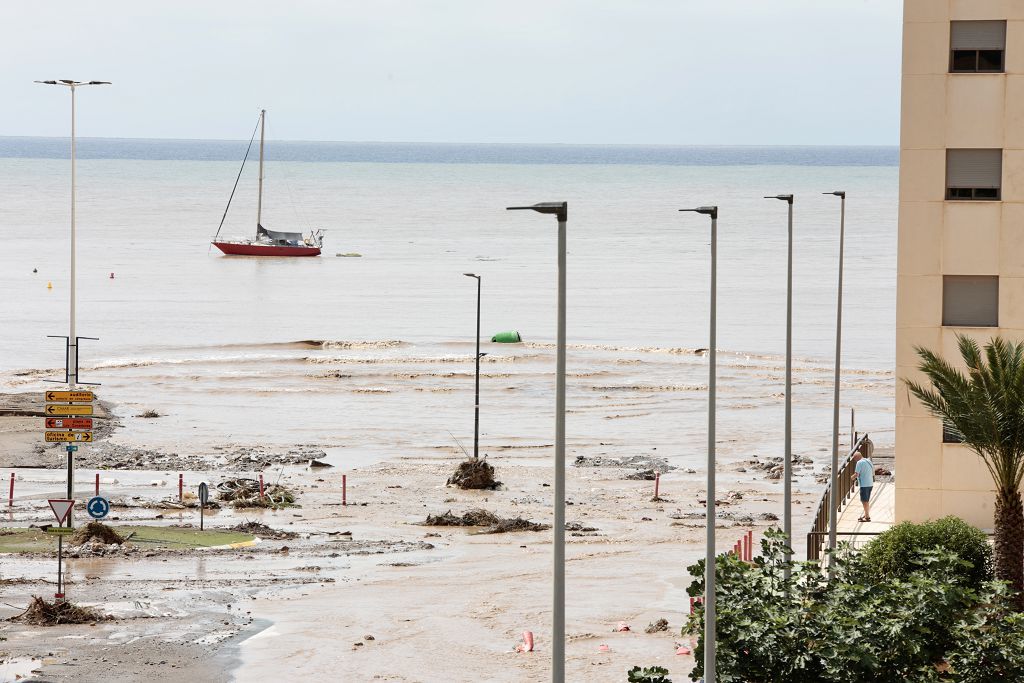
[{"x": 961, "y": 227}]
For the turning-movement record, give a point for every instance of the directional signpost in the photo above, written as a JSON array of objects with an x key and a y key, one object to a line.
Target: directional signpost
[
  {"x": 62, "y": 411},
  {"x": 68, "y": 409},
  {"x": 69, "y": 423},
  {"x": 70, "y": 396},
  {"x": 62, "y": 511},
  {"x": 68, "y": 437}
]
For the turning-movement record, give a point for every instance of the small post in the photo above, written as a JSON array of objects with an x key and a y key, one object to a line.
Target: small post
[
  {"x": 10, "y": 498},
  {"x": 344, "y": 489},
  {"x": 97, "y": 483},
  {"x": 59, "y": 597},
  {"x": 181, "y": 487},
  {"x": 750, "y": 546},
  {"x": 657, "y": 484},
  {"x": 261, "y": 486},
  {"x": 202, "y": 515}
]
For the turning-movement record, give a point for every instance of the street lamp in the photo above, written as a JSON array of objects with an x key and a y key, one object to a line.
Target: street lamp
[
  {"x": 72, "y": 355},
  {"x": 834, "y": 483},
  {"x": 787, "y": 465},
  {"x": 476, "y": 403},
  {"x": 710, "y": 637},
  {"x": 561, "y": 212}
]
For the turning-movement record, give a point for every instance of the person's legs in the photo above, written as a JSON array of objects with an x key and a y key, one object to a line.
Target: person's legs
[{"x": 865, "y": 500}]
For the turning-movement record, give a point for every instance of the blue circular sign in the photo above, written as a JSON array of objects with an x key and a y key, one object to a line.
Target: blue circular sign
[{"x": 98, "y": 507}]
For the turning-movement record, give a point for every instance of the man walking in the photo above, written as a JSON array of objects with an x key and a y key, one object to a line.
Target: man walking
[{"x": 864, "y": 475}]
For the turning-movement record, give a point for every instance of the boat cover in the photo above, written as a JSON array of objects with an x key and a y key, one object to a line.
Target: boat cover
[{"x": 277, "y": 236}]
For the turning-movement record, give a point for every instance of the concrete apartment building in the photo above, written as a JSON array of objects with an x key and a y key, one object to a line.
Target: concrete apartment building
[{"x": 961, "y": 226}]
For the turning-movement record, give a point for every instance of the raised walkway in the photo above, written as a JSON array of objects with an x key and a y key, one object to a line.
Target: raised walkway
[{"x": 883, "y": 514}]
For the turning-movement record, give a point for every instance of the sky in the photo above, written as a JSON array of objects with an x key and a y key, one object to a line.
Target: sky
[{"x": 703, "y": 72}]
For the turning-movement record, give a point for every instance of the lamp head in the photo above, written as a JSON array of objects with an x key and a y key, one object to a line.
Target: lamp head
[
  {"x": 706, "y": 210},
  {"x": 560, "y": 209},
  {"x": 838, "y": 193},
  {"x": 472, "y": 275},
  {"x": 788, "y": 198}
]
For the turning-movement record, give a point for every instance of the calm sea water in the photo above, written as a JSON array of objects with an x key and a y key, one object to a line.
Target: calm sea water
[{"x": 376, "y": 352}]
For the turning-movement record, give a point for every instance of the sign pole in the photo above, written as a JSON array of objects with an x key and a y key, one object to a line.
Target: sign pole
[{"x": 60, "y": 557}]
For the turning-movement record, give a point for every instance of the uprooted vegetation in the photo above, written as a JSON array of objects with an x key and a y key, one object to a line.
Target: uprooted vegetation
[
  {"x": 261, "y": 530},
  {"x": 483, "y": 518},
  {"x": 245, "y": 493},
  {"x": 96, "y": 532},
  {"x": 43, "y": 613},
  {"x": 474, "y": 473}
]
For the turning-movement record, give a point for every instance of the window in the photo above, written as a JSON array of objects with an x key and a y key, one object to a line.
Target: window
[
  {"x": 949, "y": 436},
  {"x": 977, "y": 46},
  {"x": 974, "y": 174},
  {"x": 970, "y": 300}
]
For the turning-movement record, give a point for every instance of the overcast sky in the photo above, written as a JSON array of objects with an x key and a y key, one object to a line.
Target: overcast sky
[{"x": 573, "y": 71}]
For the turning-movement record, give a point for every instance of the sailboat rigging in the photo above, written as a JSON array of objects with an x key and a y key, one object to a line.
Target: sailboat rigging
[{"x": 266, "y": 242}]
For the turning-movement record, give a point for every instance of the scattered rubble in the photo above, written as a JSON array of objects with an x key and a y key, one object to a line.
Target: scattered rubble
[
  {"x": 657, "y": 626},
  {"x": 480, "y": 517},
  {"x": 638, "y": 462},
  {"x": 261, "y": 530},
  {"x": 95, "y": 531}
]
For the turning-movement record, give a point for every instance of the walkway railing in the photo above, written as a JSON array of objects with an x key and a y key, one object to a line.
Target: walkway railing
[{"x": 818, "y": 535}]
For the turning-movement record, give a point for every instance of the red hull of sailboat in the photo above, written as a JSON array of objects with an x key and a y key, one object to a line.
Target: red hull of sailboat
[{"x": 237, "y": 249}]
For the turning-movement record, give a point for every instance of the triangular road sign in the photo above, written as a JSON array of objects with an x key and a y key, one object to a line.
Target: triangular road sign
[{"x": 61, "y": 507}]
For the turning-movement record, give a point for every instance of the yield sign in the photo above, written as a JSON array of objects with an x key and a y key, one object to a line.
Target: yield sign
[{"x": 61, "y": 507}]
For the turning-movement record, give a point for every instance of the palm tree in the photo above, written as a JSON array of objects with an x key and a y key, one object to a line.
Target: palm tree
[{"x": 985, "y": 409}]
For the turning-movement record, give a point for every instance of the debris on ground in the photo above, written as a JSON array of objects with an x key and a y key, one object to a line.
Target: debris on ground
[
  {"x": 95, "y": 531},
  {"x": 313, "y": 463},
  {"x": 577, "y": 526},
  {"x": 641, "y": 463},
  {"x": 657, "y": 626},
  {"x": 43, "y": 613},
  {"x": 149, "y": 414},
  {"x": 476, "y": 517},
  {"x": 190, "y": 502},
  {"x": 245, "y": 493},
  {"x": 474, "y": 473},
  {"x": 479, "y": 517},
  {"x": 643, "y": 475},
  {"x": 622, "y": 627},
  {"x": 261, "y": 530}
]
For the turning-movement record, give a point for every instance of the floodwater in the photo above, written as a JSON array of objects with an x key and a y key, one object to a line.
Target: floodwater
[{"x": 372, "y": 356}]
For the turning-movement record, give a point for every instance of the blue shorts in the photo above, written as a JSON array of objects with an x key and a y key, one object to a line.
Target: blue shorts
[{"x": 865, "y": 493}]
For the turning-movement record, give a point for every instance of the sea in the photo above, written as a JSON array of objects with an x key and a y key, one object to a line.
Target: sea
[{"x": 368, "y": 350}]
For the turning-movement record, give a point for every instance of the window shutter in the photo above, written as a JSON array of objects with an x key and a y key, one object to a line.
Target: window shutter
[
  {"x": 970, "y": 300},
  {"x": 978, "y": 35},
  {"x": 977, "y": 168}
]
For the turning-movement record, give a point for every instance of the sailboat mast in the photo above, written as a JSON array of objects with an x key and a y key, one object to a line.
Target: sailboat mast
[{"x": 259, "y": 200}]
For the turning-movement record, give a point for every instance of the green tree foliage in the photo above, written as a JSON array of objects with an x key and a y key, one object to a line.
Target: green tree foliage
[
  {"x": 985, "y": 408},
  {"x": 654, "y": 674},
  {"x": 895, "y": 552},
  {"x": 930, "y": 625}
]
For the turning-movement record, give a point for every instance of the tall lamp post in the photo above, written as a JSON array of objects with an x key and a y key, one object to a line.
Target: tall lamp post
[
  {"x": 834, "y": 483},
  {"x": 787, "y": 465},
  {"x": 561, "y": 212},
  {"x": 710, "y": 638},
  {"x": 72, "y": 356},
  {"x": 476, "y": 402}
]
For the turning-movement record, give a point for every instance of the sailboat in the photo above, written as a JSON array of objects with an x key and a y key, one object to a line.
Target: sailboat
[{"x": 266, "y": 242}]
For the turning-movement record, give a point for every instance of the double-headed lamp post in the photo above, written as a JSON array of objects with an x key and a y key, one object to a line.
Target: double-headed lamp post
[
  {"x": 710, "y": 637},
  {"x": 787, "y": 465},
  {"x": 833, "y": 503},
  {"x": 561, "y": 212},
  {"x": 72, "y": 356},
  {"x": 476, "y": 402}
]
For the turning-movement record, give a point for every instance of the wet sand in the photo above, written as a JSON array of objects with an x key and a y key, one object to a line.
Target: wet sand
[{"x": 441, "y": 603}]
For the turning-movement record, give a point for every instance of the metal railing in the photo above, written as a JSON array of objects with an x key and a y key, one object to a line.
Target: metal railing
[{"x": 818, "y": 535}]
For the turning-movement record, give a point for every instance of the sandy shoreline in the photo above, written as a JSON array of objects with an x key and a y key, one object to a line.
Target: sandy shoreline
[{"x": 440, "y": 603}]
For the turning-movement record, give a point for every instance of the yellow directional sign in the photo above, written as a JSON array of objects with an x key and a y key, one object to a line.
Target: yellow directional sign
[
  {"x": 64, "y": 410},
  {"x": 60, "y": 530},
  {"x": 71, "y": 396},
  {"x": 67, "y": 437}
]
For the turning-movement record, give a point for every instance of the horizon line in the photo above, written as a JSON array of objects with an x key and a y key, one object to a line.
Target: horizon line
[{"x": 440, "y": 143}]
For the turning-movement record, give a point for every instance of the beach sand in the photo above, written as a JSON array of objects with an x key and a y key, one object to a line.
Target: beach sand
[{"x": 441, "y": 603}]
